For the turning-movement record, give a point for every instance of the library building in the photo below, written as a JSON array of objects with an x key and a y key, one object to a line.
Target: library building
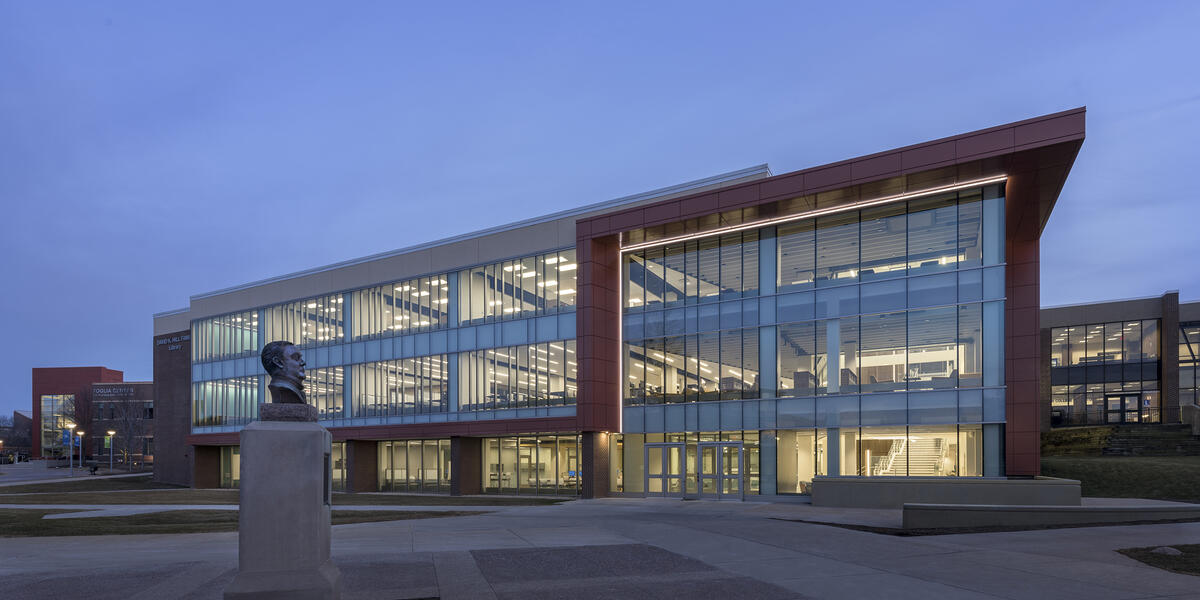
[{"x": 748, "y": 334}]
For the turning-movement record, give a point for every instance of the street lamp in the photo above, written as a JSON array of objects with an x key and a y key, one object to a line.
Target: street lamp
[
  {"x": 80, "y": 434},
  {"x": 111, "y": 433},
  {"x": 71, "y": 450}
]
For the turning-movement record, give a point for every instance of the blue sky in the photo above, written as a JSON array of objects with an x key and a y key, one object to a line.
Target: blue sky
[{"x": 150, "y": 151}]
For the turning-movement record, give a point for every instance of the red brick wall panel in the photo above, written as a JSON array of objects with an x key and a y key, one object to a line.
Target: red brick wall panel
[{"x": 67, "y": 380}]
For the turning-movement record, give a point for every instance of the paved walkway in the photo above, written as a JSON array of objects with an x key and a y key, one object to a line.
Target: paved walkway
[
  {"x": 40, "y": 472},
  {"x": 617, "y": 548},
  {"x": 121, "y": 510}
]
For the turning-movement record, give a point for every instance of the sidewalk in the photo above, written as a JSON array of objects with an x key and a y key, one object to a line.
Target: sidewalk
[
  {"x": 39, "y": 472},
  {"x": 627, "y": 548},
  {"x": 121, "y": 510}
]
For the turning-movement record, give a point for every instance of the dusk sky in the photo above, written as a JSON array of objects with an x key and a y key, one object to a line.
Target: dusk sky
[{"x": 152, "y": 152}]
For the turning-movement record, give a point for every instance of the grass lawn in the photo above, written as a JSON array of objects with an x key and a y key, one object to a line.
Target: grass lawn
[
  {"x": 29, "y": 523},
  {"x": 141, "y": 490},
  {"x": 1187, "y": 563},
  {"x": 1155, "y": 477}
]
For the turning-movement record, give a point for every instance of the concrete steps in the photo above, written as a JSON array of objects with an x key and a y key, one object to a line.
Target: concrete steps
[{"x": 1152, "y": 440}]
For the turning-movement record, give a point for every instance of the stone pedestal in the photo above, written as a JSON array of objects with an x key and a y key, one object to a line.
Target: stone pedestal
[{"x": 283, "y": 525}]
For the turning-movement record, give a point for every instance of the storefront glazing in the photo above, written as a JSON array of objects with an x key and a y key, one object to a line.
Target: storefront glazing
[
  {"x": 534, "y": 464},
  {"x": 414, "y": 466}
]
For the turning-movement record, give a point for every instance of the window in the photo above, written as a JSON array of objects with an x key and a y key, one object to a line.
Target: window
[
  {"x": 58, "y": 414},
  {"x": 883, "y": 358},
  {"x": 796, "y": 243},
  {"x": 884, "y": 231},
  {"x": 1105, "y": 373},
  {"x": 222, "y": 402},
  {"x": 534, "y": 464},
  {"x": 933, "y": 234},
  {"x": 707, "y": 270},
  {"x": 414, "y": 466},
  {"x": 518, "y": 288},
  {"x": 518, "y": 376},
  {"x": 226, "y": 336},
  {"x": 418, "y": 304},
  {"x": 837, "y": 249},
  {"x": 700, "y": 367},
  {"x": 311, "y": 322},
  {"x": 407, "y": 386},
  {"x": 323, "y": 390},
  {"x": 1189, "y": 363}
]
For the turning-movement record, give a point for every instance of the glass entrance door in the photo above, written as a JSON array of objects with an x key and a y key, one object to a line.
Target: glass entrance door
[
  {"x": 1125, "y": 408},
  {"x": 719, "y": 468},
  {"x": 666, "y": 469}
]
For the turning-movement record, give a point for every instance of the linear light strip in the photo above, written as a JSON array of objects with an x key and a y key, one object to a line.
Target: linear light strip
[
  {"x": 621, "y": 383},
  {"x": 817, "y": 213}
]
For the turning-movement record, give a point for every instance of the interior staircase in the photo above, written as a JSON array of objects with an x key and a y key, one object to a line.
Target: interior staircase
[{"x": 924, "y": 457}]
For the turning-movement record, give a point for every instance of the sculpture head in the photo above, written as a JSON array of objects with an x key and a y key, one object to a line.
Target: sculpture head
[{"x": 283, "y": 360}]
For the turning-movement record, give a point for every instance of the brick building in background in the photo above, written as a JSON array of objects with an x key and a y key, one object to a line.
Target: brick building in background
[
  {"x": 127, "y": 409},
  {"x": 62, "y": 396}
]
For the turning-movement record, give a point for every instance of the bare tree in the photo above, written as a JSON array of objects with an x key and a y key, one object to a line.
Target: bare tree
[
  {"x": 21, "y": 437},
  {"x": 130, "y": 424}
]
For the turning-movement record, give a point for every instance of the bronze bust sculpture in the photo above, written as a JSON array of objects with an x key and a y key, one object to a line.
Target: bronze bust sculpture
[{"x": 285, "y": 365}]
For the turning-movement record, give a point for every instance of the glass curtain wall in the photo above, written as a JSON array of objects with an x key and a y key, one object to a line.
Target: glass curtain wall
[
  {"x": 414, "y": 466},
  {"x": 58, "y": 412},
  {"x": 692, "y": 272},
  {"x": 930, "y": 349},
  {"x": 410, "y": 306},
  {"x": 310, "y": 322},
  {"x": 1189, "y": 363},
  {"x": 1105, "y": 373},
  {"x": 888, "y": 320},
  {"x": 888, "y": 299},
  {"x": 408, "y": 386},
  {"x": 524, "y": 287},
  {"x": 231, "y": 401},
  {"x": 518, "y": 376},
  {"x": 323, "y": 389},
  {"x": 913, "y": 321},
  {"x": 925, "y": 451},
  {"x": 227, "y": 336},
  {"x": 721, "y": 365},
  {"x": 534, "y": 464}
]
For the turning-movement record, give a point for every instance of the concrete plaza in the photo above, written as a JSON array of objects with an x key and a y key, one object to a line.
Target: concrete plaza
[{"x": 624, "y": 548}]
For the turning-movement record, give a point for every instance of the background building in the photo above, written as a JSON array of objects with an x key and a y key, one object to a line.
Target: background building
[
  {"x": 16, "y": 435},
  {"x": 730, "y": 336},
  {"x": 128, "y": 410},
  {"x": 1124, "y": 361},
  {"x": 62, "y": 396}
]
